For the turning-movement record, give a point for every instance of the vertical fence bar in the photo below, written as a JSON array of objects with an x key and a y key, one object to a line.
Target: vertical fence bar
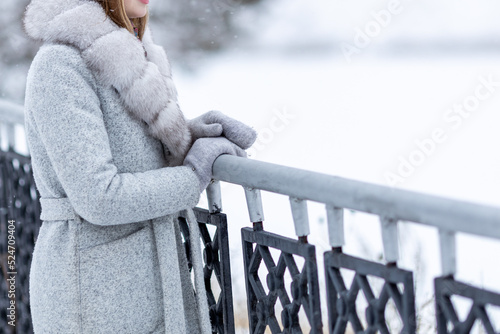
[
  {"x": 390, "y": 239},
  {"x": 248, "y": 251},
  {"x": 300, "y": 217},
  {"x": 4, "y": 136},
  {"x": 11, "y": 135},
  {"x": 254, "y": 204},
  {"x": 335, "y": 218},
  {"x": 214, "y": 197},
  {"x": 447, "y": 243}
]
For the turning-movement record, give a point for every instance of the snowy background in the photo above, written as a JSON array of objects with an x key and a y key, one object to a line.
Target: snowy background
[
  {"x": 283, "y": 68},
  {"x": 356, "y": 116}
]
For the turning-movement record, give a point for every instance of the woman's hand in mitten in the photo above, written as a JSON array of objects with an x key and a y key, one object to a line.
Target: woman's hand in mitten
[
  {"x": 214, "y": 123},
  {"x": 203, "y": 153}
]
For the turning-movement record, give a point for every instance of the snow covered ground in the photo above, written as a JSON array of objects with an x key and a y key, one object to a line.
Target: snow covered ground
[{"x": 372, "y": 119}]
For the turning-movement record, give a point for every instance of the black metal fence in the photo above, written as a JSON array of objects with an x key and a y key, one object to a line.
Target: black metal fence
[
  {"x": 304, "y": 288},
  {"x": 19, "y": 225},
  {"x": 216, "y": 264}
]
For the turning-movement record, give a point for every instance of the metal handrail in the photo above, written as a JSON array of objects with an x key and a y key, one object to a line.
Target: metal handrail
[
  {"x": 392, "y": 205},
  {"x": 398, "y": 204}
]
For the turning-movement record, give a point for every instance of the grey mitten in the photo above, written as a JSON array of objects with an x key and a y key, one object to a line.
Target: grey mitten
[
  {"x": 203, "y": 153},
  {"x": 214, "y": 123}
]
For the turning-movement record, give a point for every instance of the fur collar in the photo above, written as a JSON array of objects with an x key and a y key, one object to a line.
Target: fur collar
[{"x": 117, "y": 59}]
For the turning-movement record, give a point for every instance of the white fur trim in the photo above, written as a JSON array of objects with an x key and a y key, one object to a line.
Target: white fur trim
[
  {"x": 138, "y": 95},
  {"x": 39, "y": 13},
  {"x": 169, "y": 128},
  {"x": 117, "y": 58}
]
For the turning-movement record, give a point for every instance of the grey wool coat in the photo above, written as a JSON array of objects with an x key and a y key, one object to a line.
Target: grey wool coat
[{"x": 109, "y": 257}]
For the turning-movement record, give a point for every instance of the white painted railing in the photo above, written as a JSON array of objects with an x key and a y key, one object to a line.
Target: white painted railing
[{"x": 391, "y": 205}]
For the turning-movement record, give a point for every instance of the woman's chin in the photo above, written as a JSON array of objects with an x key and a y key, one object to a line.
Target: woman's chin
[{"x": 137, "y": 14}]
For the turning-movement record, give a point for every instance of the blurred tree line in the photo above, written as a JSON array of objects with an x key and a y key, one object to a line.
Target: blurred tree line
[{"x": 187, "y": 29}]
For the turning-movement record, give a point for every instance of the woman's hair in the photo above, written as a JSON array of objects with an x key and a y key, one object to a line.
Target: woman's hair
[{"x": 115, "y": 10}]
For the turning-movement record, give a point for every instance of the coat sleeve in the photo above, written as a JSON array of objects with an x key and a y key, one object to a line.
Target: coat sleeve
[{"x": 61, "y": 100}]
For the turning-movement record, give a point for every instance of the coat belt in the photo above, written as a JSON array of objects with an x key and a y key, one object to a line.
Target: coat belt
[{"x": 57, "y": 209}]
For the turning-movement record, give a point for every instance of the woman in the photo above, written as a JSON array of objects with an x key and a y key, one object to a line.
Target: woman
[{"x": 114, "y": 161}]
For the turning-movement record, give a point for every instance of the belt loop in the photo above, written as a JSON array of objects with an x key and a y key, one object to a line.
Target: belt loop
[{"x": 57, "y": 209}]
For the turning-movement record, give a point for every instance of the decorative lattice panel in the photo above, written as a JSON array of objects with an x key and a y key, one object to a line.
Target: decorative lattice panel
[
  {"x": 446, "y": 312},
  {"x": 342, "y": 310},
  {"x": 216, "y": 263},
  {"x": 19, "y": 205},
  {"x": 304, "y": 289}
]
